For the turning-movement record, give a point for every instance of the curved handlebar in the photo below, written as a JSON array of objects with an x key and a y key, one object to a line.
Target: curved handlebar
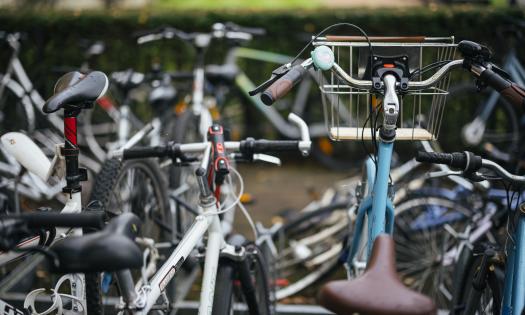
[
  {"x": 412, "y": 85},
  {"x": 469, "y": 163},
  {"x": 177, "y": 150}
]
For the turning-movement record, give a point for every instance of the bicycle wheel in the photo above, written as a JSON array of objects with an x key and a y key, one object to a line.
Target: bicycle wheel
[
  {"x": 422, "y": 242},
  {"x": 99, "y": 127},
  {"x": 309, "y": 247},
  {"x": 252, "y": 289},
  {"x": 15, "y": 114},
  {"x": 464, "y": 104},
  {"x": 489, "y": 300},
  {"x": 136, "y": 186}
]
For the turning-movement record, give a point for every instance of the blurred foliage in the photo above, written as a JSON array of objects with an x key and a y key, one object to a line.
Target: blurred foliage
[
  {"x": 54, "y": 39},
  {"x": 57, "y": 40},
  {"x": 236, "y": 4}
]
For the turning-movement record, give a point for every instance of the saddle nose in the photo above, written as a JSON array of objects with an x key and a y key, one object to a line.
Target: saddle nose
[{"x": 378, "y": 291}]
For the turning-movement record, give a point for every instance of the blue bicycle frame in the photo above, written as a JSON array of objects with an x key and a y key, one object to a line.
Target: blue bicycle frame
[
  {"x": 514, "y": 290},
  {"x": 377, "y": 205}
]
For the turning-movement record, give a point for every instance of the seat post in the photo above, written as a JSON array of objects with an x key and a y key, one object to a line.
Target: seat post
[{"x": 74, "y": 174}]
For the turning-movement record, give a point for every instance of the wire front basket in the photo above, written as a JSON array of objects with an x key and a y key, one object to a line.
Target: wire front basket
[{"x": 350, "y": 113}]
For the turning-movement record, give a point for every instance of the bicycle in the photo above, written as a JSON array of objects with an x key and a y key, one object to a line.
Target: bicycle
[
  {"x": 483, "y": 275},
  {"x": 218, "y": 249},
  {"x": 495, "y": 127},
  {"x": 230, "y": 84},
  {"x": 74, "y": 92},
  {"x": 344, "y": 297}
]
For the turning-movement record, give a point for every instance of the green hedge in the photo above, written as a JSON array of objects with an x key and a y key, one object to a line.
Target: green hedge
[{"x": 53, "y": 37}]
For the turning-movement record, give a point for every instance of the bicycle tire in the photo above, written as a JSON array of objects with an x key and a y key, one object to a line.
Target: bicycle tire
[
  {"x": 491, "y": 295},
  {"x": 223, "y": 297},
  {"x": 94, "y": 304},
  {"x": 259, "y": 300},
  {"x": 255, "y": 294},
  {"x": 106, "y": 182},
  {"x": 307, "y": 271},
  {"x": 417, "y": 225},
  {"x": 15, "y": 114}
]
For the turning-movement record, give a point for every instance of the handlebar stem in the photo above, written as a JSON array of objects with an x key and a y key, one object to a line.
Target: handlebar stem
[{"x": 390, "y": 102}]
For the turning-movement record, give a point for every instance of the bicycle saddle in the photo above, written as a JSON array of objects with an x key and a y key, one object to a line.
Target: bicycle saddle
[
  {"x": 111, "y": 249},
  {"x": 378, "y": 291},
  {"x": 77, "y": 90}
]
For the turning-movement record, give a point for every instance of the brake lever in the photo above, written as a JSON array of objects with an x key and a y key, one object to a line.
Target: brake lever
[
  {"x": 276, "y": 74},
  {"x": 446, "y": 173},
  {"x": 500, "y": 71},
  {"x": 475, "y": 177},
  {"x": 267, "y": 158},
  {"x": 250, "y": 158}
]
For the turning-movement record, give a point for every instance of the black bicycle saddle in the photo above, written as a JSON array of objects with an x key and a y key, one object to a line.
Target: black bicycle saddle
[
  {"x": 111, "y": 249},
  {"x": 77, "y": 90}
]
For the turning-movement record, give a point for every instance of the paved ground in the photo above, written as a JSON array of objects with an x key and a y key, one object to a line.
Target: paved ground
[{"x": 288, "y": 187}]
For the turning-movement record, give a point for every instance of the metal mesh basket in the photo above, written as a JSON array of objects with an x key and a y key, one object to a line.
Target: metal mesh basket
[{"x": 347, "y": 110}]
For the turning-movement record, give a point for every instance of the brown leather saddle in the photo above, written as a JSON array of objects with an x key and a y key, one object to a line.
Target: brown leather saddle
[{"x": 378, "y": 291}]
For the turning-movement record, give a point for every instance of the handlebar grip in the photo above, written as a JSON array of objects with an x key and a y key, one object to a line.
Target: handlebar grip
[
  {"x": 283, "y": 85},
  {"x": 515, "y": 94},
  {"x": 93, "y": 219},
  {"x": 434, "y": 157},
  {"x": 509, "y": 90},
  {"x": 466, "y": 161},
  {"x": 250, "y": 146},
  {"x": 144, "y": 152}
]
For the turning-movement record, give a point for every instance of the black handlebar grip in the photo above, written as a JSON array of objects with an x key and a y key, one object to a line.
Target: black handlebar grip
[
  {"x": 512, "y": 92},
  {"x": 434, "y": 157},
  {"x": 283, "y": 85},
  {"x": 250, "y": 146},
  {"x": 465, "y": 161},
  {"x": 93, "y": 219},
  {"x": 144, "y": 152}
]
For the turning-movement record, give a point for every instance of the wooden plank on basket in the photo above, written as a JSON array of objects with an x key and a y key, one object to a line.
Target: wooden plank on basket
[
  {"x": 385, "y": 39},
  {"x": 352, "y": 133}
]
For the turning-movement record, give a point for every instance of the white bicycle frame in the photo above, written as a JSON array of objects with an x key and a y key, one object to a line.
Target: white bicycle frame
[
  {"x": 30, "y": 156},
  {"x": 207, "y": 221}
]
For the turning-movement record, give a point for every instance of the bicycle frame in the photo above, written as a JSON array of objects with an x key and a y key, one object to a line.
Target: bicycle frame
[
  {"x": 377, "y": 205},
  {"x": 476, "y": 128},
  {"x": 19, "y": 149},
  {"x": 514, "y": 289},
  {"x": 207, "y": 221}
]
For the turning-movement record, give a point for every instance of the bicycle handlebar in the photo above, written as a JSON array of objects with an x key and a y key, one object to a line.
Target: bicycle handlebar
[
  {"x": 283, "y": 85},
  {"x": 469, "y": 163},
  {"x": 466, "y": 161},
  {"x": 510, "y": 91},
  {"x": 226, "y": 30},
  {"x": 37, "y": 220},
  {"x": 247, "y": 147}
]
